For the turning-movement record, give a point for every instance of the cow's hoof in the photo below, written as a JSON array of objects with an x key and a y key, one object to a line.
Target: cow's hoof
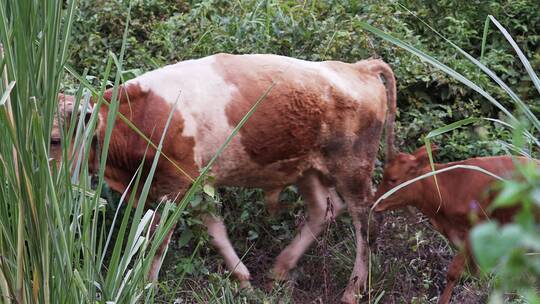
[
  {"x": 241, "y": 273},
  {"x": 276, "y": 276},
  {"x": 272, "y": 284},
  {"x": 348, "y": 298},
  {"x": 280, "y": 274},
  {"x": 245, "y": 285}
]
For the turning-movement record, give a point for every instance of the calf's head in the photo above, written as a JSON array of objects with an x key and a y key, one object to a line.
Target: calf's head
[
  {"x": 66, "y": 109},
  {"x": 402, "y": 168}
]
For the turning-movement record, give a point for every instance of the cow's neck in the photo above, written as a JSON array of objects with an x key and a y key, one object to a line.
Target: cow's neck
[{"x": 427, "y": 193}]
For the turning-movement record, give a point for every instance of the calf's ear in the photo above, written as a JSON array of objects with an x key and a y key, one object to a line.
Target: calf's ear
[
  {"x": 421, "y": 155},
  {"x": 423, "y": 151}
]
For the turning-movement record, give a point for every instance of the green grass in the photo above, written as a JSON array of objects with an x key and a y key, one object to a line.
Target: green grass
[
  {"x": 55, "y": 244},
  {"x": 53, "y": 236}
]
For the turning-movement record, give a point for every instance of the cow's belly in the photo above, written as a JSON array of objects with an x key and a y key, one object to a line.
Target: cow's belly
[{"x": 235, "y": 167}]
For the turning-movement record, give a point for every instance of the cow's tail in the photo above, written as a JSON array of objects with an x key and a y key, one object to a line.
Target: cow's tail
[{"x": 381, "y": 68}]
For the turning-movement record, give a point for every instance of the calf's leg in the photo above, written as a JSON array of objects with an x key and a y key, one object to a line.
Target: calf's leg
[
  {"x": 452, "y": 276},
  {"x": 322, "y": 205},
  {"x": 218, "y": 233}
]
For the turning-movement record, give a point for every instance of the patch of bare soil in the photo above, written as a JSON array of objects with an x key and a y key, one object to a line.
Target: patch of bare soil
[
  {"x": 409, "y": 260},
  {"x": 408, "y": 265}
]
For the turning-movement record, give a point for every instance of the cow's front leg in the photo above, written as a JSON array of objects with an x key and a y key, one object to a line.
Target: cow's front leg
[
  {"x": 218, "y": 233},
  {"x": 160, "y": 253},
  {"x": 322, "y": 205}
]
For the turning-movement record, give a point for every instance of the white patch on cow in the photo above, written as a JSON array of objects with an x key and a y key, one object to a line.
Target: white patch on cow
[
  {"x": 342, "y": 81},
  {"x": 345, "y": 85},
  {"x": 201, "y": 96}
]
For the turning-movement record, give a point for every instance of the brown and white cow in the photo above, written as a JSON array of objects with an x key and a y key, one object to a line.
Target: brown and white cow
[
  {"x": 319, "y": 128},
  {"x": 465, "y": 194}
]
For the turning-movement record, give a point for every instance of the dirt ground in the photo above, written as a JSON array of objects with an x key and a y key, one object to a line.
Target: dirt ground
[{"x": 407, "y": 265}]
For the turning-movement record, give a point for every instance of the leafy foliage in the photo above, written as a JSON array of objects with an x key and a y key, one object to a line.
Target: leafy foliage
[{"x": 165, "y": 31}]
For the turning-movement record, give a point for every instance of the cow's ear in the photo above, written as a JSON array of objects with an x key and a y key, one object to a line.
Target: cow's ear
[
  {"x": 421, "y": 155},
  {"x": 87, "y": 113},
  {"x": 67, "y": 107}
]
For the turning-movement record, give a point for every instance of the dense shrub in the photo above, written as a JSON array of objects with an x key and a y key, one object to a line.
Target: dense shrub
[{"x": 165, "y": 31}]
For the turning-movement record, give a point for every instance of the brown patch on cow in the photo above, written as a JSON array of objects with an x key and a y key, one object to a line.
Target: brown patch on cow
[
  {"x": 287, "y": 123},
  {"x": 149, "y": 113},
  {"x": 370, "y": 131}
]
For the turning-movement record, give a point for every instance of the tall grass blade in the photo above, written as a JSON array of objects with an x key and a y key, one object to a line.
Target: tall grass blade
[
  {"x": 524, "y": 60},
  {"x": 432, "y": 173},
  {"x": 484, "y": 38},
  {"x": 7, "y": 91},
  {"x": 436, "y": 63},
  {"x": 451, "y": 127},
  {"x": 515, "y": 98}
]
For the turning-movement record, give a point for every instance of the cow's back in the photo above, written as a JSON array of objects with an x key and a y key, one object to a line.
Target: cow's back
[{"x": 466, "y": 190}]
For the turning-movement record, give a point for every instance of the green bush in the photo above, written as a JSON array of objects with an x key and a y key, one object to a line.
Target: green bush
[{"x": 164, "y": 31}]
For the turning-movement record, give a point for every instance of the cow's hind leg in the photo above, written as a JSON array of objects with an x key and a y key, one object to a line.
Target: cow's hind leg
[
  {"x": 218, "y": 233},
  {"x": 322, "y": 205},
  {"x": 455, "y": 269},
  {"x": 352, "y": 162},
  {"x": 356, "y": 201}
]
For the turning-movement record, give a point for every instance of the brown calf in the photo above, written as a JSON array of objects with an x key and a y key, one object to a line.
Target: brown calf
[
  {"x": 318, "y": 128},
  {"x": 463, "y": 192}
]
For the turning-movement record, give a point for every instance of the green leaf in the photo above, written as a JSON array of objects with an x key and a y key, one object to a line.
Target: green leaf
[
  {"x": 490, "y": 244},
  {"x": 196, "y": 200},
  {"x": 209, "y": 190},
  {"x": 511, "y": 194},
  {"x": 186, "y": 236},
  {"x": 535, "y": 195}
]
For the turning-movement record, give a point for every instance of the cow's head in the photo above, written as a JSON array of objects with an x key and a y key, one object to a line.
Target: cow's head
[
  {"x": 66, "y": 109},
  {"x": 402, "y": 168}
]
